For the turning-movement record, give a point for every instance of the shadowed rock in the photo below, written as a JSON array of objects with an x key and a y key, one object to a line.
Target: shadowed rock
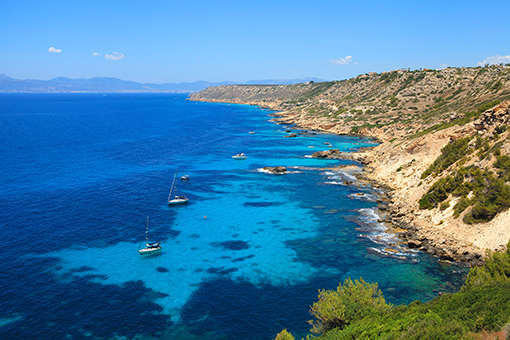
[
  {"x": 333, "y": 153},
  {"x": 277, "y": 170}
]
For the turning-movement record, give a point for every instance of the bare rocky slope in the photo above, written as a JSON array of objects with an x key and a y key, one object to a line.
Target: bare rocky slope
[{"x": 444, "y": 154}]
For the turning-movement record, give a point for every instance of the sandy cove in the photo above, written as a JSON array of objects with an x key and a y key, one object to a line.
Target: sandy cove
[{"x": 396, "y": 167}]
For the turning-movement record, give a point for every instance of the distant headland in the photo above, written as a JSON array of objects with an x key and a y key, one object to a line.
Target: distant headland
[{"x": 115, "y": 85}]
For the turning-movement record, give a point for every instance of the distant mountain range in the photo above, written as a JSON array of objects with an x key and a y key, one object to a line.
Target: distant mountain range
[{"x": 108, "y": 85}]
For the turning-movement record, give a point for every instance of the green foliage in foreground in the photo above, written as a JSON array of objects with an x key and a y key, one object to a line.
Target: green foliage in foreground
[
  {"x": 284, "y": 335},
  {"x": 482, "y": 305},
  {"x": 496, "y": 270},
  {"x": 451, "y": 316},
  {"x": 350, "y": 302}
]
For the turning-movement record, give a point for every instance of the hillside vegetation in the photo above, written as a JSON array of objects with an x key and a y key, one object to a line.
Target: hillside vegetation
[{"x": 386, "y": 105}]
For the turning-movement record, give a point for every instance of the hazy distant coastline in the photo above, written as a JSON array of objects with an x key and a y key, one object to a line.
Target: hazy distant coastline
[{"x": 115, "y": 85}]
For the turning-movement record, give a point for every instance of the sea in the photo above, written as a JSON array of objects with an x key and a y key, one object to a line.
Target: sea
[{"x": 84, "y": 175}]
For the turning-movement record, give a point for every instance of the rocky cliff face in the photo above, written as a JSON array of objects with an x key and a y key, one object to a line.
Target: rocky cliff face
[
  {"x": 492, "y": 118},
  {"x": 400, "y": 165}
]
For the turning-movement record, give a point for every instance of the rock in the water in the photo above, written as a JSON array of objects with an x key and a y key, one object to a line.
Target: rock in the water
[
  {"x": 333, "y": 153},
  {"x": 278, "y": 170}
]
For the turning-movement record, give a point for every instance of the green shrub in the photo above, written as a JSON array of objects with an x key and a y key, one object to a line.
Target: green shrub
[
  {"x": 487, "y": 106},
  {"x": 436, "y": 194},
  {"x": 461, "y": 205},
  {"x": 492, "y": 199},
  {"x": 491, "y": 195},
  {"x": 444, "y": 205},
  {"x": 351, "y": 302},
  {"x": 284, "y": 335},
  {"x": 393, "y": 101},
  {"x": 503, "y": 164},
  {"x": 451, "y": 153},
  {"x": 501, "y": 129},
  {"x": 496, "y": 270},
  {"x": 441, "y": 189}
]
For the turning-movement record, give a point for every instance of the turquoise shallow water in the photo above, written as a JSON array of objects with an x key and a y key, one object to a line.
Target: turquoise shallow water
[{"x": 243, "y": 260}]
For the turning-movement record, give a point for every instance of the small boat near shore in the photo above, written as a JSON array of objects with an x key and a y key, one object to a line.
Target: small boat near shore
[
  {"x": 239, "y": 156},
  {"x": 177, "y": 199},
  {"x": 150, "y": 247},
  {"x": 185, "y": 178}
]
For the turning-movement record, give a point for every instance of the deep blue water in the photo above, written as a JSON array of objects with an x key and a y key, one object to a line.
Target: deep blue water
[{"x": 243, "y": 260}]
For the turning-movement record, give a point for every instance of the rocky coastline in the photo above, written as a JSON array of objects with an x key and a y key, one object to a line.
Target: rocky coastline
[
  {"x": 416, "y": 236},
  {"x": 396, "y": 166},
  {"x": 407, "y": 227}
]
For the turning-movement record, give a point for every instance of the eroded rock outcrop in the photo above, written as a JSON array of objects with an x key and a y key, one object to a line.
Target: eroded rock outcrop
[
  {"x": 333, "y": 153},
  {"x": 497, "y": 116},
  {"x": 276, "y": 170}
]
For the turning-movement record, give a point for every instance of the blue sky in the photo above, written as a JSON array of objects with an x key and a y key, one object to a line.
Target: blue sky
[{"x": 176, "y": 41}]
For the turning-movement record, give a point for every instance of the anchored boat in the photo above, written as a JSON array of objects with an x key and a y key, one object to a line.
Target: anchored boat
[
  {"x": 150, "y": 248},
  {"x": 239, "y": 156},
  {"x": 177, "y": 199}
]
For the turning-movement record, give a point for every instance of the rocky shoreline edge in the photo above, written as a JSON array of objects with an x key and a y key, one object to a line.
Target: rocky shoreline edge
[
  {"x": 434, "y": 243},
  {"x": 415, "y": 237}
]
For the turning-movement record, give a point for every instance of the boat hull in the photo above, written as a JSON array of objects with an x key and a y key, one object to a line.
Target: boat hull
[
  {"x": 175, "y": 201},
  {"x": 148, "y": 251}
]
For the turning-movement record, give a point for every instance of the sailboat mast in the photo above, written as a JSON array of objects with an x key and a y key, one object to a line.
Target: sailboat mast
[
  {"x": 147, "y": 231},
  {"x": 172, "y": 188}
]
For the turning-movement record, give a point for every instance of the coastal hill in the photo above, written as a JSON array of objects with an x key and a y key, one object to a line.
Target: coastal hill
[
  {"x": 386, "y": 105},
  {"x": 444, "y": 155},
  {"x": 114, "y": 85}
]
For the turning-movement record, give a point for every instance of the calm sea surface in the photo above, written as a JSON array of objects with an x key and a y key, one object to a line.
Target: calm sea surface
[{"x": 244, "y": 259}]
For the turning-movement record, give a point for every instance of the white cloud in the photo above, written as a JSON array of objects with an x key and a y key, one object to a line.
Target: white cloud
[
  {"x": 115, "y": 56},
  {"x": 343, "y": 61},
  {"x": 54, "y": 50},
  {"x": 95, "y": 54},
  {"x": 443, "y": 65},
  {"x": 495, "y": 59}
]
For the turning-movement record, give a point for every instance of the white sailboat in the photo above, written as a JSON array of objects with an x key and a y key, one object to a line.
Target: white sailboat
[
  {"x": 239, "y": 156},
  {"x": 177, "y": 199},
  {"x": 150, "y": 248}
]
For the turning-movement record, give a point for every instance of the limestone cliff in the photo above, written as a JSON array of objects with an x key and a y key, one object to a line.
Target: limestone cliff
[{"x": 401, "y": 165}]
